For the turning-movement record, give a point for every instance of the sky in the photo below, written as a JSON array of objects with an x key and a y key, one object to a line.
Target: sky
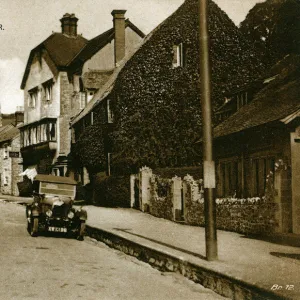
[{"x": 25, "y": 24}]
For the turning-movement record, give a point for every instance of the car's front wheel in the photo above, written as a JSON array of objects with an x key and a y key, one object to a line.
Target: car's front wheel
[{"x": 34, "y": 227}]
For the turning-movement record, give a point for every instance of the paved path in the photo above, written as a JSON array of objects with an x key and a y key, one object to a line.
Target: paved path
[{"x": 257, "y": 262}]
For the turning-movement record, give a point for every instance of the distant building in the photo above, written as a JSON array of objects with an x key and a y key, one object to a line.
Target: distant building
[
  {"x": 11, "y": 160},
  {"x": 61, "y": 76}
]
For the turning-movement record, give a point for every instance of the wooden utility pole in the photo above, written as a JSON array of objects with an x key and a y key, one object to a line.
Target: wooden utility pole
[{"x": 208, "y": 162}]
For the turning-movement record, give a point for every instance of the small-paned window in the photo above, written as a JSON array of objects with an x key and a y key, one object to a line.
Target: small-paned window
[{"x": 179, "y": 55}]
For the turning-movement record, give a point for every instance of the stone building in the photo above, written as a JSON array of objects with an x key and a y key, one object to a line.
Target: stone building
[
  {"x": 61, "y": 75},
  {"x": 258, "y": 145},
  {"x": 11, "y": 161},
  {"x": 149, "y": 113}
]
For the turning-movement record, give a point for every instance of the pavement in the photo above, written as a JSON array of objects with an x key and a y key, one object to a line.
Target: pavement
[{"x": 246, "y": 268}]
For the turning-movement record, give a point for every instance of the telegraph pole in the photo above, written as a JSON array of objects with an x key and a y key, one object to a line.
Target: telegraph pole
[{"x": 208, "y": 162}]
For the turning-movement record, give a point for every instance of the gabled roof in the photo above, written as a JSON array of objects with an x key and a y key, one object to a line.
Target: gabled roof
[
  {"x": 279, "y": 99},
  {"x": 106, "y": 89},
  {"x": 8, "y": 132},
  {"x": 67, "y": 50},
  {"x": 61, "y": 49},
  {"x": 98, "y": 42}
]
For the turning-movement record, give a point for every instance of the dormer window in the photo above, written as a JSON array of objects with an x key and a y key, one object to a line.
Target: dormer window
[
  {"x": 48, "y": 89},
  {"x": 33, "y": 96},
  {"x": 178, "y": 55},
  {"x": 110, "y": 115}
]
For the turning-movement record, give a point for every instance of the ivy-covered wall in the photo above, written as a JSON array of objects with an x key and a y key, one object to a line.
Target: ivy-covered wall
[
  {"x": 161, "y": 201},
  {"x": 91, "y": 141},
  {"x": 157, "y": 108}
]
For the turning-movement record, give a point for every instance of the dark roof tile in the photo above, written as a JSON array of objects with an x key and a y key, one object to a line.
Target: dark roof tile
[
  {"x": 277, "y": 100},
  {"x": 8, "y": 132}
]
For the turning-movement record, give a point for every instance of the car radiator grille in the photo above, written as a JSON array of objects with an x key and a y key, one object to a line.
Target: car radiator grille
[{"x": 59, "y": 211}]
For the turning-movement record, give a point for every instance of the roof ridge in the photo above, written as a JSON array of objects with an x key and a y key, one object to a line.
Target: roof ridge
[{"x": 88, "y": 43}]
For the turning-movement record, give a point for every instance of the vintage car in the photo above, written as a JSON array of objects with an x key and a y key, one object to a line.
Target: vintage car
[{"x": 52, "y": 207}]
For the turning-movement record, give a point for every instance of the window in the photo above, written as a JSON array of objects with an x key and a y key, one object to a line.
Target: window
[
  {"x": 110, "y": 115},
  {"x": 48, "y": 89},
  {"x": 178, "y": 55},
  {"x": 5, "y": 153},
  {"x": 92, "y": 118},
  {"x": 52, "y": 132},
  {"x": 82, "y": 99},
  {"x": 83, "y": 95},
  {"x": 33, "y": 97},
  {"x": 228, "y": 178},
  {"x": 242, "y": 99},
  {"x": 261, "y": 167},
  {"x": 5, "y": 177}
]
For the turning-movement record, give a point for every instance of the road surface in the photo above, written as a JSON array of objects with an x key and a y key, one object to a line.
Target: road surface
[{"x": 54, "y": 267}]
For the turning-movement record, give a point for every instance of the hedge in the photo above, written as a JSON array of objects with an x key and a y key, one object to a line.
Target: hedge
[
  {"x": 111, "y": 191},
  {"x": 195, "y": 172}
]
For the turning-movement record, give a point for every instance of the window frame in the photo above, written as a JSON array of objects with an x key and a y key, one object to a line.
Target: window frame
[{"x": 179, "y": 55}]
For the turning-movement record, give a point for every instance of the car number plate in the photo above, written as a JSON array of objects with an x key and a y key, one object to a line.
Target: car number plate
[{"x": 57, "y": 229}]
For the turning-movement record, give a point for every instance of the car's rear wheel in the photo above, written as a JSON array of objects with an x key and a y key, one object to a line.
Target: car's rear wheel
[{"x": 34, "y": 227}]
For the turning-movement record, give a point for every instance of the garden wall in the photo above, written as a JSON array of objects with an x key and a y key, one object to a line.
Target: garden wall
[{"x": 182, "y": 200}]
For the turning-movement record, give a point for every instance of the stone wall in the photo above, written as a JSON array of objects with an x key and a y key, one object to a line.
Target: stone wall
[
  {"x": 246, "y": 216},
  {"x": 10, "y": 167},
  {"x": 16, "y": 166}
]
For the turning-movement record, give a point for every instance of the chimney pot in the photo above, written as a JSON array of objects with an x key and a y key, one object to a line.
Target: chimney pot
[{"x": 69, "y": 24}]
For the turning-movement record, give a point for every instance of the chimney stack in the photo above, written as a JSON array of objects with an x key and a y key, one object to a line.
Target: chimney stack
[
  {"x": 69, "y": 24},
  {"x": 19, "y": 115},
  {"x": 119, "y": 27}
]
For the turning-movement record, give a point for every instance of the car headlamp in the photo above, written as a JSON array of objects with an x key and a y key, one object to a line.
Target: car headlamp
[
  {"x": 49, "y": 213},
  {"x": 71, "y": 215}
]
